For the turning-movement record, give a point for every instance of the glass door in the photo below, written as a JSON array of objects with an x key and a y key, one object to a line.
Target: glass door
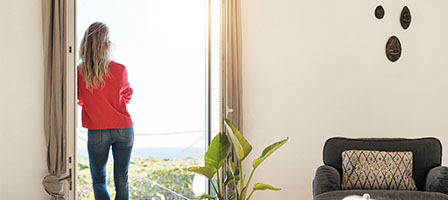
[{"x": 171, "y": 51}]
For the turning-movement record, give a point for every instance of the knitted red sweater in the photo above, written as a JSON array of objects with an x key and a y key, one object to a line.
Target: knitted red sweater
[{"x": 105, "y": 107}]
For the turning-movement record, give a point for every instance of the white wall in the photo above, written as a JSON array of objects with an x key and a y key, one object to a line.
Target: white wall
[
  {"x": 22, "y": 140},
  {"x": 314, "y": 69}
]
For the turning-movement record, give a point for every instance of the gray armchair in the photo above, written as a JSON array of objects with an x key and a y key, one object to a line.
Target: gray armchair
[{"x": 430, "y": 177}]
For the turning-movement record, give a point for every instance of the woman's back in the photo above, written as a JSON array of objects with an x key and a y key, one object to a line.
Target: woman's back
[
  {"x": 105, "y": 106},
  {"x": 103, "y": 92}
]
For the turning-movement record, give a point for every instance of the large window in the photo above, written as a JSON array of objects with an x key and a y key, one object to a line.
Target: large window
[{"x": 172, "y": 58}]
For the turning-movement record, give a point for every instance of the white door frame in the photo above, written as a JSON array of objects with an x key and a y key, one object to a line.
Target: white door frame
[
  {"x": 71, "y": 99},
  {"x": 72, "y": 87}
]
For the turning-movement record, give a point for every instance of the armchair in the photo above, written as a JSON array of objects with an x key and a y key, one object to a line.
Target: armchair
[{"x": 430, "y": 177}]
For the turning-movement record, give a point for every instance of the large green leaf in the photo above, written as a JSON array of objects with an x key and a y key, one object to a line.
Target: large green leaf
[
  {"x": 242, "y": 147},
  {"x": 206, "y": 171},
  {"x": 233, "y": 168},
  {"x": 217, "y": 151},
  {"x": 268, "y": 151},
  {"x": 262, "y": 186},
  {"x": 229, "y": 179}
]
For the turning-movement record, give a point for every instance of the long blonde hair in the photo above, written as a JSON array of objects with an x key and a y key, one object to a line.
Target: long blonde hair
[{"x": 94, "y": 55}]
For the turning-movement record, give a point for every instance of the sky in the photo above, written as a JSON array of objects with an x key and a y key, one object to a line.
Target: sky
[{"x": 162, "y": 43}]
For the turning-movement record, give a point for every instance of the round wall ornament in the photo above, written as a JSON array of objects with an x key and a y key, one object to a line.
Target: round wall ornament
[
  {"x": 379, "y": 12},
  {"x": 393, "y": 49}
]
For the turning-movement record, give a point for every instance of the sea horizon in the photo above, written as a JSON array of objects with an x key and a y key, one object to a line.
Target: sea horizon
[{"x": 157, "y": 152}]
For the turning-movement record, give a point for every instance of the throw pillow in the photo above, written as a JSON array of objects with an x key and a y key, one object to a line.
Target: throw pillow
[{"x": 377, "y": 170}]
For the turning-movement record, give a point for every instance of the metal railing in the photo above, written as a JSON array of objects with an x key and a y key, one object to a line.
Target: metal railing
[{"x": 145, "y": 178}]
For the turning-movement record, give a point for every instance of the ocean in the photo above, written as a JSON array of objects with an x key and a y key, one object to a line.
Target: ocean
[{"x": 165, "y": 153}]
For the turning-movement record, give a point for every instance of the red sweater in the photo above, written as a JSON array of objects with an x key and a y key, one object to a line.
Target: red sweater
[{"x": 105, "y": 107}]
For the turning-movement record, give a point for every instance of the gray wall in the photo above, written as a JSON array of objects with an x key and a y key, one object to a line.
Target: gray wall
[{"x": 313, "y": 69}]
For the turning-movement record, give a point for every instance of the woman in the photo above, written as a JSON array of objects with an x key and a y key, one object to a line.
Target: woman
[{"x": 103, "y": 92}]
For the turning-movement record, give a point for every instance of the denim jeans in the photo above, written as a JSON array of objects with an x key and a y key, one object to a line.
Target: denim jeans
[{"x": 98, "y": 145}]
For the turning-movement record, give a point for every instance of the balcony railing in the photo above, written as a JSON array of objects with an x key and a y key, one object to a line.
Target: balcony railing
[{"x": 149, "y": 177}]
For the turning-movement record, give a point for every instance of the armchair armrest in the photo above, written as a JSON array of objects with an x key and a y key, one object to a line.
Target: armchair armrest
[
  {"x": 327, "y": 179},
  {"x": 437, "y": 180}
]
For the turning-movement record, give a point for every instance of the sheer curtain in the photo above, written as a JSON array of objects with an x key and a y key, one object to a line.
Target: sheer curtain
[
  {"x": 233, "y": 65},
  {"x": 54, "y": 29},
  {"x": 233, "y": 62}
]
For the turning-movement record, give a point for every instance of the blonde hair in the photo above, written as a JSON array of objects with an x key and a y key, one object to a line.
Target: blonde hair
[{"x": 94, "y": 55}]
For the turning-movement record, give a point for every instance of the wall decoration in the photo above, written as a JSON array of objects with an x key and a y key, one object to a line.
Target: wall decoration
[
  {"x": 379, "y": 12},
  {"x": 405, "y": 18},
  {"x": 393, "y": 49},
  {"x": 393, "y": 45}
]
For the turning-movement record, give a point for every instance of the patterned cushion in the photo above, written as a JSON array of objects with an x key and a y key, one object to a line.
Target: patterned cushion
[{"x": 378, "y": 170}]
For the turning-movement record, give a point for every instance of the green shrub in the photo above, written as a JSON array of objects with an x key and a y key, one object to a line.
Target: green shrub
[{"x": 148, "y": 178}]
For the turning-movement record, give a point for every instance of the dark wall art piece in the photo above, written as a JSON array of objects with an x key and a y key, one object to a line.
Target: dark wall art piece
[
  {"x": 393, "y": 49},
  {"x": 405, "y": 18},
  {"x": 393, "y": 45},
  {"x": 379, "y": 12}
]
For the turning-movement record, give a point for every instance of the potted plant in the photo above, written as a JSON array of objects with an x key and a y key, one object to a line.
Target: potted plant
[{"x": 223, "y": 171}]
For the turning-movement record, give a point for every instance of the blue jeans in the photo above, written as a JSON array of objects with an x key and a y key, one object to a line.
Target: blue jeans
[{"x": 98, "y": 146}]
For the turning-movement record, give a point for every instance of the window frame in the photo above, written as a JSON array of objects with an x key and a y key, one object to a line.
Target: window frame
[{"x": 72, "y": 54}]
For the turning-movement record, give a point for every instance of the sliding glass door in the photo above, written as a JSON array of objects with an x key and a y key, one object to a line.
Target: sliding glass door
[{"x": 171, "y": 51}]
